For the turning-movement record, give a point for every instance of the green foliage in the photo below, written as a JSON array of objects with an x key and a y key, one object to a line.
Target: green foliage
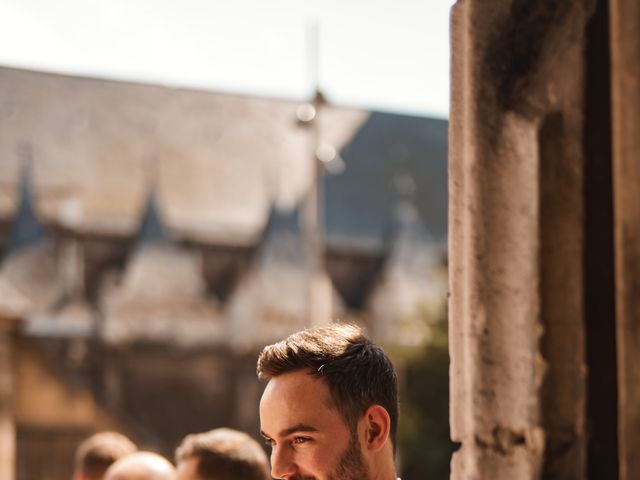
[{"x": 423, "y": 436}]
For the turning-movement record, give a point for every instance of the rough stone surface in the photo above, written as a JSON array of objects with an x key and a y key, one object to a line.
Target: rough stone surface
[{"x": 517, "y": 399}]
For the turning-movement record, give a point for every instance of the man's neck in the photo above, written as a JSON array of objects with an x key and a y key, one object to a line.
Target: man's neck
[{"x": 383, "y": 469}]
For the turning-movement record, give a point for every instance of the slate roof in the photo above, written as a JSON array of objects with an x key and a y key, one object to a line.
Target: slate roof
[
  {"x": 222, "y": 161},
  {"x": 387, "y": 150}
]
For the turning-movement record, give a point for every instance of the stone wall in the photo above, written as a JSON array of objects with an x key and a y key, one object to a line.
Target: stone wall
[{"x": 536, "y": 105}]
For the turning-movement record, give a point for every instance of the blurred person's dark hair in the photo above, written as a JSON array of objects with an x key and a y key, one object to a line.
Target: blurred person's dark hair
[
  {"x": 358, "y": 372},
  {"x": 95, "y": 454},
  {"x": 224, "y": 454}
]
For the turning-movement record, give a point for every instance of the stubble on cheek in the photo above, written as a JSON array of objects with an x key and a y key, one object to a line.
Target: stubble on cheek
[{"x": 351, "y": 465}]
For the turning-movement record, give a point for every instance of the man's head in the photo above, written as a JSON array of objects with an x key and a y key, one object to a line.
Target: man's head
[
  {"x": 330, "y": 409},
  {"x": 141, "y": 466},
  {"x": 95, "y": 454},
  {"x": 221, "y": 454}
]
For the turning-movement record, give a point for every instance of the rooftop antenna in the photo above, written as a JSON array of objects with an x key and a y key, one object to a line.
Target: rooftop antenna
[{"x": 319, "y": 304}]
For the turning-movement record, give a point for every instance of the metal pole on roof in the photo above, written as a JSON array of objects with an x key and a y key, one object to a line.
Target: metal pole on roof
[{"x": 319, "y": 301}]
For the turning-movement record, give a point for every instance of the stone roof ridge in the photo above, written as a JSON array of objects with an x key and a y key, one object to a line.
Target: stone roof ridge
[{"x": 26, "y": 228}]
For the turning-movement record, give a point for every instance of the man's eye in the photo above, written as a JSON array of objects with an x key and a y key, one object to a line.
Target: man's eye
[
  {"x": 269, "y": 442},
  {"x": 299, "y": 440}
]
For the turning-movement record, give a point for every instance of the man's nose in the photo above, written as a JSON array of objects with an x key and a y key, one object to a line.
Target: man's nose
[{"x": 282, "y": 463}]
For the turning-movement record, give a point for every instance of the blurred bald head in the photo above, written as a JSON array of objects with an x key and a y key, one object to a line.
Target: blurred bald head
[{"x": 141, "y": 466}]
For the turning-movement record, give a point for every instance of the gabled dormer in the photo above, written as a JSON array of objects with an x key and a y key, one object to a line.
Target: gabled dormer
[{"x": 161, "y": 295}]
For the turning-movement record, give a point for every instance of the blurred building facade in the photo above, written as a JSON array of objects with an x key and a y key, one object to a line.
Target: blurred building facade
[{"x": 153, "y": 241}]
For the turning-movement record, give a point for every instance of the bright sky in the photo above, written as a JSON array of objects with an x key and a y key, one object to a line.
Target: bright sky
[{"x": 384, "y": 54}]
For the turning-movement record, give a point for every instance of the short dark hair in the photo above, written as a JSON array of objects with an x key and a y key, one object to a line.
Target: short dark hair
[
  {"x": 225, "y": 454},
  {"x": 358, "y": 372},
  {"x": 96, "y": 453}
]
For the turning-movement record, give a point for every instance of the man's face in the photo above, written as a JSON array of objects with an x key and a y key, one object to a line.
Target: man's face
[
  {"x": 309, "y": 438},
  {"x": 187, "y": 469}
]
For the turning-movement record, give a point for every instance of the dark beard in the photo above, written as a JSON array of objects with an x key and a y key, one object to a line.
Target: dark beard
[{"x": 350, "y": 467}]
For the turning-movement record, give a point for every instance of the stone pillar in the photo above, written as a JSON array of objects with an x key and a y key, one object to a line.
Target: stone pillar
[
  {"x": 625, "y": 84},
  {"x": 516, "y": 239}
]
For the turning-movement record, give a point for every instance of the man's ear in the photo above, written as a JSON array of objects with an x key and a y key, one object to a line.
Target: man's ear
[{"x": 378, "y": 425}]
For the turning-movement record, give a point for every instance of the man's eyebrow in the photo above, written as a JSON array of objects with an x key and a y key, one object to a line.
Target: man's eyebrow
[{"x": 300, "y": 427}]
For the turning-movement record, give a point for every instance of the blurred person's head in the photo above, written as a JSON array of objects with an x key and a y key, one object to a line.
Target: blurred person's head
[
  {"x": 330, "y": 408},
  {"x": 96, "y": 453},
  {"x": 141, "y": 466},
  {"x": 221, "y": 454}
]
